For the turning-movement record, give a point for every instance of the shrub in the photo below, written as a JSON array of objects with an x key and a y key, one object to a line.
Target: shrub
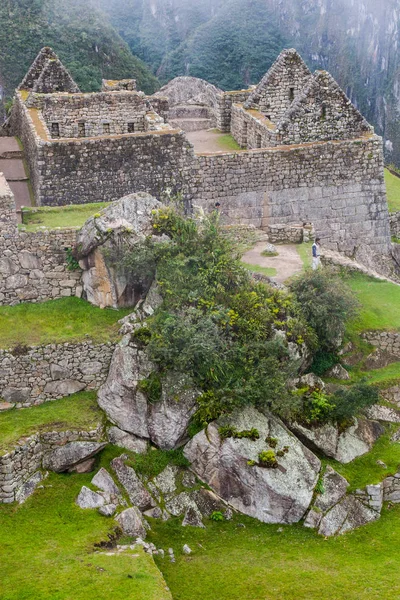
[
  {"x": 323, "y": 361},
  {"x": 229, "y": 431},
  {"x": 152, "y": 387},
  {"x": 142, "y": 335},
  {"x": 327, "y": 304},
  {"x": 273, "y": 442},
  {"x": 267, "y": 459},
  {"x": 347, "y": 403},
  {"x": 216, "y": 515},
  {"x": 318, "y": 408}
]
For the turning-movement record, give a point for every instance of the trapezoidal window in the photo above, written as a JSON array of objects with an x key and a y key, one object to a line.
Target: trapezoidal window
[
  {"x": 106, "y": 128},
  {"x": 258, "y": 141},
  {"x": 131, "y": 127},
  {"x": 81, "y": 130},
  {"x": 323, "y": 112},
  {"x": 291, "y": 94},
  {"x": 55, "y": 130}
]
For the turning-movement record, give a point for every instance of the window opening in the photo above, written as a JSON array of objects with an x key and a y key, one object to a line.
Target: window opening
[
  {"x": 106, "y": 128},
  {"x": 131, "y": 127},
  {"x": 81, "y": 130},
  {"x": 291, "y": 94},
  {"x": 258, "y": 140},
  {"x": 55, "y": 130}
]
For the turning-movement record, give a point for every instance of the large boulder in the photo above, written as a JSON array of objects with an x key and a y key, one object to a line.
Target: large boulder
[
  {"x": 68, "y": 456},
  {"x": 126, "y": 222},
  {"x": 164, "y": 422},
  {"x": 347, "y": 515},
  {"x": 344, "y": 446},
  {"x": 232, "y": 468},
  {"x": 137, "y": 493},
  {"x": 132, "y": 522}
]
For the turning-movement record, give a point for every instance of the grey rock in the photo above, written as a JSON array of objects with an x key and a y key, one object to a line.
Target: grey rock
[
  {"x": 381, "y": 464},
  {"x": 137, "y": 493},
  {"x": 338, "y": 372},
  {"x": 208, "y": 502},
  {"x": 108, "y": 510},
  {"x": 153, "y": 300},
  {"x": 313, "y": 519},
  {"x": 384, "y": 413},
  {"x": 105, "y": 482},
  {"x": 127, "y": 440},
  {"x": 59, "y": 372},
  {"x": 280, "y": 495},
  {"x": 86, "y": 466},
  {"x": 89, "y": 499},
  {"x": 188, "y": 479},
  {"x": 193, "y": 518},
  {"x": 178, "y": 505},
  {"x": 71, "y": 454},
  {"x": 347, "y": 515},
  {"x": 64, "y": 387},
  {"x": 28, "y": 487},
  {"x": 132, "y": 522},
  {"x": 335, "y": 487},
  {"x": 311, "y": 380},
  {"x": 16, "y": 395},
  {"x": 29, "y": 261},
  {"x": 186, "y": 549},
  {"x": 166, "y": 480},
  {"x": 157, "y": 513}
]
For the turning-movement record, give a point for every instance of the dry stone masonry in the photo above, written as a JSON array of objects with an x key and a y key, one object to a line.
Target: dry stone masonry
[{"x": 309, "y": 156}]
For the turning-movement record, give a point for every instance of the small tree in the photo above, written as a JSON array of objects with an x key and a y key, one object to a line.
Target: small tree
[{"x": 327, "y": 303}]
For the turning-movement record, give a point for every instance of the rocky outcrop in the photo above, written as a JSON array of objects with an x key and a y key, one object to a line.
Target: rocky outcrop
[
  {"x": 126, "y": 222},
  {"x": 72, "y": 454},
  {"x": 350, "y": 513},
  {"x": 164, "y": 422},
  {"x": 89, "y": 499},
  {"x": 120, "y": 438},
  {"x": 232, "y": 468},
  {"x": 344, "y": 446},
  {"x": 132, "y": 522},
  {"x": 135, "y": 489}
]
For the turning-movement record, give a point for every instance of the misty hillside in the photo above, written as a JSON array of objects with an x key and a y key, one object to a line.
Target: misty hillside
[
  {"x": 233, "y": 42},
  {"x": 77, "y": 31}
]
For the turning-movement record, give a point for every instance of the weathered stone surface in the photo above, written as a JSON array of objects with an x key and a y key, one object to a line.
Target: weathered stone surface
[
  {"x": 169, "y": 418},
  {"x": 313, "y": 518},
  {"x": 108, "y": 510},
  {"x": 105, "y": 482},
  {"x": 71, "y": 454},
  {"x": 137, "y": 493},
  {"x": 348, "y": 514},
  {"x": 64, "y": 387},
  {"x": 166, "y": 481},
  {"x": 128, "y": 219},
  {"x": 345, "y": 446},
  {"x": 28, "y": 487},
  {"x": 338, "y": 372},
  {"x": 119, "y": 397},
  {"x": 152, "y": 301},
  {"x": 335, "y": 487},
  {"x": 208, "y": 502},
  {"x": 59, "y": 372},
  {"x": 29, "y": 260},
  {"x": 6, "y": 406},
  {"x": 126, "y": 440},
  {"x": 89, "y": 499},
  {"x": 280, "y": 495},
  {"x": 310, "y": 380},
  {"x": 391, "y": 489},
  {"x": 178, "y": 505},
  {"x": 132, "y": 522},
  {"x": 15, "y": 395},
  {"x": 384, "y": 413},
  {"x": 192, "y": 518},
  {"x": 86, "y": 466}
]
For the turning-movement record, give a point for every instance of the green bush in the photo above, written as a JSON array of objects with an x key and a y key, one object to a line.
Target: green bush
[
  {"x": 323, "y": 361},
  {"x": 327, "y": 303},
  {"x": 229, "y": 431},
  {"x": 152, "y": 387},
  {"x": 267, "y": 459},
  {"x": 347, "y": 403},
  {"x": 217, "y": 515}
]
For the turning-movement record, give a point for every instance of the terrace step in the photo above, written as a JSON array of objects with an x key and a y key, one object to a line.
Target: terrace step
[{"x": 191, "y": 124}]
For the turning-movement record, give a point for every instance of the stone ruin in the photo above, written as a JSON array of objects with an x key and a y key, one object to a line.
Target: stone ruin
[{"x": 307, "y": 154}]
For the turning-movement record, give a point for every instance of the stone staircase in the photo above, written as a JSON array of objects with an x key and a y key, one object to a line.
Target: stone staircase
[
  {"x": 13, "y": 167},
  {"x": 190, "y": 117}
]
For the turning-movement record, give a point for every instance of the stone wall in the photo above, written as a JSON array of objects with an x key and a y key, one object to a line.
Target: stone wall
[
  {"x": 251, "y": 129},
  {"x": 33, "y": 266},
  {"x": 337, "y": 186},
  {"x": 285, "y": 234},
  {"x": 18, "y": 465},
  {"x": 225, "y": 102},
  {"x": 389, "y": 341},
  {"x": 395, "y": 224},
  {"x": 91, "y": 115},
  {"x": 35, "y": 375}
]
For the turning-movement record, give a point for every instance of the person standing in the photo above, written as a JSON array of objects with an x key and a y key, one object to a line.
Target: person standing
[{"x": 316, "y": 254}]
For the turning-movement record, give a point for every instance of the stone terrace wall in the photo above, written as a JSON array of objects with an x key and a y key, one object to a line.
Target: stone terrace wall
[
  {"x": 251, "y": 129},
  {"x": 395, "y": 224},
  {"x": 33, "y": 266},
  {"x": 17, "y": 466},
  {"x": 338, "y": 186},
  {"x": 81, "y": 171},
  {"x": 224, "y": 107},
  {"x": 53, "y": 371},
  {"x": 384, "y": 340},
  {"x": 112, "y": 111}
]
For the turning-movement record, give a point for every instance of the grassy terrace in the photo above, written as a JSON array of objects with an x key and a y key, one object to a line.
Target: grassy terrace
[
  {"x": 79, "y": 411},
  {"x": 48, "y": 549},
  {"x": 57, "y": 321},
  {"x": 73, "y": 215},
  {"x": 268, "y": 271},
  {"x": 272, "y": 562},
  {"x": 393, "y": 191}
]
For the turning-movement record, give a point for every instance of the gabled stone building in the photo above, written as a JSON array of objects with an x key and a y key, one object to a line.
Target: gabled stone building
[{"x": 308, "y": 154}]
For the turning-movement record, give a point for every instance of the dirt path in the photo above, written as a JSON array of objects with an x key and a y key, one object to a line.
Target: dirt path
[
  {"x": 287, "y": 263},
  {"x": 206, "y": 140}
]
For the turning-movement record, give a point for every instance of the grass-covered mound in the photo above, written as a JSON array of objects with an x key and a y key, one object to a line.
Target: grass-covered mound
[
  {"x": 73, "y": 215},
  {"x": 259, "y": 561},
  {"x": 48, "y": 549},
  {"x": 79, "y": 411},
  {"x": 57, "y": 321},
  {"x": 393, "y": 191},
  {"x": 380, "y": 303}
]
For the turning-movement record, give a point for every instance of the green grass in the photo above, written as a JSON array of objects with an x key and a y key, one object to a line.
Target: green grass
[
  {"x": 380, "y": 301},
  {"x": 228, "y": 142},
  {"x": 305, "y": 253},
  {"x": 156, "y": 460},
  {"x": 365, "y": 470},
  {"x": 268, "y": 271},
  {"x": 393, "y": 191},
  {"x": 272, "y": 562},
  {"x": 47, "y": 550},
  {"x": 79, "y": 411},
  {"x": 73, "y": 215},
  {"x": 57, "y": 321}
]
